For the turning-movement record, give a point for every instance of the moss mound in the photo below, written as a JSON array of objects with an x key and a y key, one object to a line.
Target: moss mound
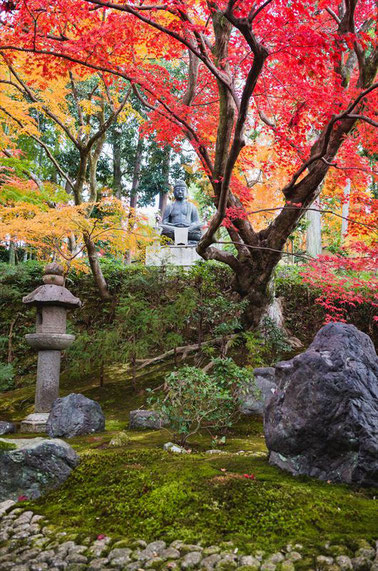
[{"x": 150, "y": 494}]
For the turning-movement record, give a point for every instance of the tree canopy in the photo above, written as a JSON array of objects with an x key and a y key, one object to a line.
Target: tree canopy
[{"x": 232, "y": 78}]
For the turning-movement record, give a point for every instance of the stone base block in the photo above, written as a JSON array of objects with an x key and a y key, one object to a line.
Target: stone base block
[
  {"x": 158, "y": 255},
  {"x": 35, "y": 422}
]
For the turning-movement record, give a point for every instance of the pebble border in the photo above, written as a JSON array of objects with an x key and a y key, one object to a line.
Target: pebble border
[{"x": 27, "y": 543}]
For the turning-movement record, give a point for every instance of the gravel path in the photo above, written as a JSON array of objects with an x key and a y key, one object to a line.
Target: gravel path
[{"x": 28, "y": 543}]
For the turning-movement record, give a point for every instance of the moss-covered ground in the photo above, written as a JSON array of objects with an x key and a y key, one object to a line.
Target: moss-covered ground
[{"x": 140, "y": 491}]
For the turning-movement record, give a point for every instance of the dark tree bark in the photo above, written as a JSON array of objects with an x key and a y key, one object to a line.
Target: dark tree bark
[{"x": 96, "y": 268}]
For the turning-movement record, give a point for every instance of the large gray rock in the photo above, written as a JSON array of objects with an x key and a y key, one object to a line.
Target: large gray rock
[
  {"x": 323, "y": 419},
  {"x": 75, "y": 415},
  {"x": 150, "y": 419},
  {"x": 7, "y": 427},
  {"x": 254, "y": 398},
  {"x": 34, "y": 466}
]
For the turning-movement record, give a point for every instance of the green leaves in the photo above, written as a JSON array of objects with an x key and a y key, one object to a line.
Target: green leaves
[{"x": 194, "y": 399}]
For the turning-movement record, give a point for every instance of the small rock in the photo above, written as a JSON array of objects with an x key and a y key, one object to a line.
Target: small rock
[
  {"x": 361, "y": 564},
  {"x": 98, "y": 547},
  {"x": 76, "y": 558},
  {"x": 293, "y": 556},
  {"x": 97, "y": 564},
  {"x": 250, "y": 562},
  {"x": 323, "y": 562},
  {"x": 134, "y": 566},
  {"x": 228, "y": 561},
  {"x": 211, "y": 550},
  {"x": 119, "y": 552},
  {"x": 177, "y": 544},
  {"x": 188, "y": 548},
  {"x": 120, "y": 439},
  {"x": 344, "y": 562},
  {"x": 45, "y": 556},
  {"x": 170, "y": 447},
  {"x": 268, "y": 566},
  {"x": 191, "y": 560},
  {"x": 150, "y": 419},
  {"x": 38, "y": 566},
  {"x": 170, "y": 553},
  {"x": 5, "y": 506},
  {"x": 210, "y": 561},
  {"x": 368, "y": 553},
  {"x": 276, "y": 558},
  {"x": 215, "y": 452}
]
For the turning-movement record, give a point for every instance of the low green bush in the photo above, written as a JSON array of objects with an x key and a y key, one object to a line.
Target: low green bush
[{"x": 195, "y": 399}]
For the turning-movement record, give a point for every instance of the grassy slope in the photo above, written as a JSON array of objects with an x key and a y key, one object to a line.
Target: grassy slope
[{"x": 139, "y": 491}]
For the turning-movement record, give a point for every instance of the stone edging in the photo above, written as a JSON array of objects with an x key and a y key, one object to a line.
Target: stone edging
[{"x": 28, "y": 543}]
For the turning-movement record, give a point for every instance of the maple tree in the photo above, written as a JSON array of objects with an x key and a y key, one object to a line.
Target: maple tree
[
  {"x": 298, "y": 77},
  {"x": 44, "y": 218},
  {"x": 82, "y": 108}
]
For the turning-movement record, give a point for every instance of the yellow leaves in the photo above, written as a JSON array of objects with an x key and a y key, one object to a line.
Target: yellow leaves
[
  {"x": 89, "y": 107},
  {"x": 129, "y": 113},
  {"x": 51, "y": 230}
]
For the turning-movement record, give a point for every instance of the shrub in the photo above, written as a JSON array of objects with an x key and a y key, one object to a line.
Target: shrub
[
  {"x": 196, "y": 399},
  {"x": 6, "y": 377}
]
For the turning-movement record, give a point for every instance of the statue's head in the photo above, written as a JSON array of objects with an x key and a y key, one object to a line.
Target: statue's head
[{"x": 180, "y": 190}]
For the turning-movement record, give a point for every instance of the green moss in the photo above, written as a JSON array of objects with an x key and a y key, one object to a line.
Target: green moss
[
  {"x": 151, "y": 494},
  {"x": 5, "y": 446}
]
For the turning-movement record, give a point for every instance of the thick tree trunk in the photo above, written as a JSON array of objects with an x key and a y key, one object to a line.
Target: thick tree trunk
[
  {"x": 96, "y": 268},
  {"x": 252, "y": 282}
]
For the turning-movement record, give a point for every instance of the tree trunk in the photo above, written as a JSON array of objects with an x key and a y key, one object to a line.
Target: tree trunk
[
  {"x": 134, "y": 189},
  {"x": 12, "y": 254},
  {"x": 163, "y": 194},
  {"x": 136, "y": 173},
  {"x": 102, "y": 369},
  {"x": 117, "y": 173},
  {"x": 96, "y": 268},
  {"x": 345, "y": 210},
  {"x": 314, "y": 231},
  {"x": 252, "y": 282}
]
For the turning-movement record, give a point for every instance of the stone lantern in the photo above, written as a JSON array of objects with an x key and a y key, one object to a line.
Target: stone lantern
[{"x": 52, "y": 301}]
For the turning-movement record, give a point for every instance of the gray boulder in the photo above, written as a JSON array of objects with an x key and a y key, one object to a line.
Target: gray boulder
[
  {"x": 7, "y": 427},
  {"x": 75, "y": 415},
  {"x": 150, "y": 419},
  {"x": 256, "y": 395},
  {"x": 34, "y": 466},
  {"x": 323, "y": 419}
]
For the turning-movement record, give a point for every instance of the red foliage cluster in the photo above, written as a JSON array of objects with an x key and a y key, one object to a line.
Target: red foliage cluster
[{"x": 345, "y": 281}]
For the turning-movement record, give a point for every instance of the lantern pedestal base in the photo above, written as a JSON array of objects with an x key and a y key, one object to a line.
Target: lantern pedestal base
[{"x": 35, "y": 422}]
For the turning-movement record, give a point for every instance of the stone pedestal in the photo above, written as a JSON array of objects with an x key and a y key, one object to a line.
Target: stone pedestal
[
  {"x": 158, "y": 255},
  {"x": 52, "y": 301},
  {"x": 35, "y": 422}
]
